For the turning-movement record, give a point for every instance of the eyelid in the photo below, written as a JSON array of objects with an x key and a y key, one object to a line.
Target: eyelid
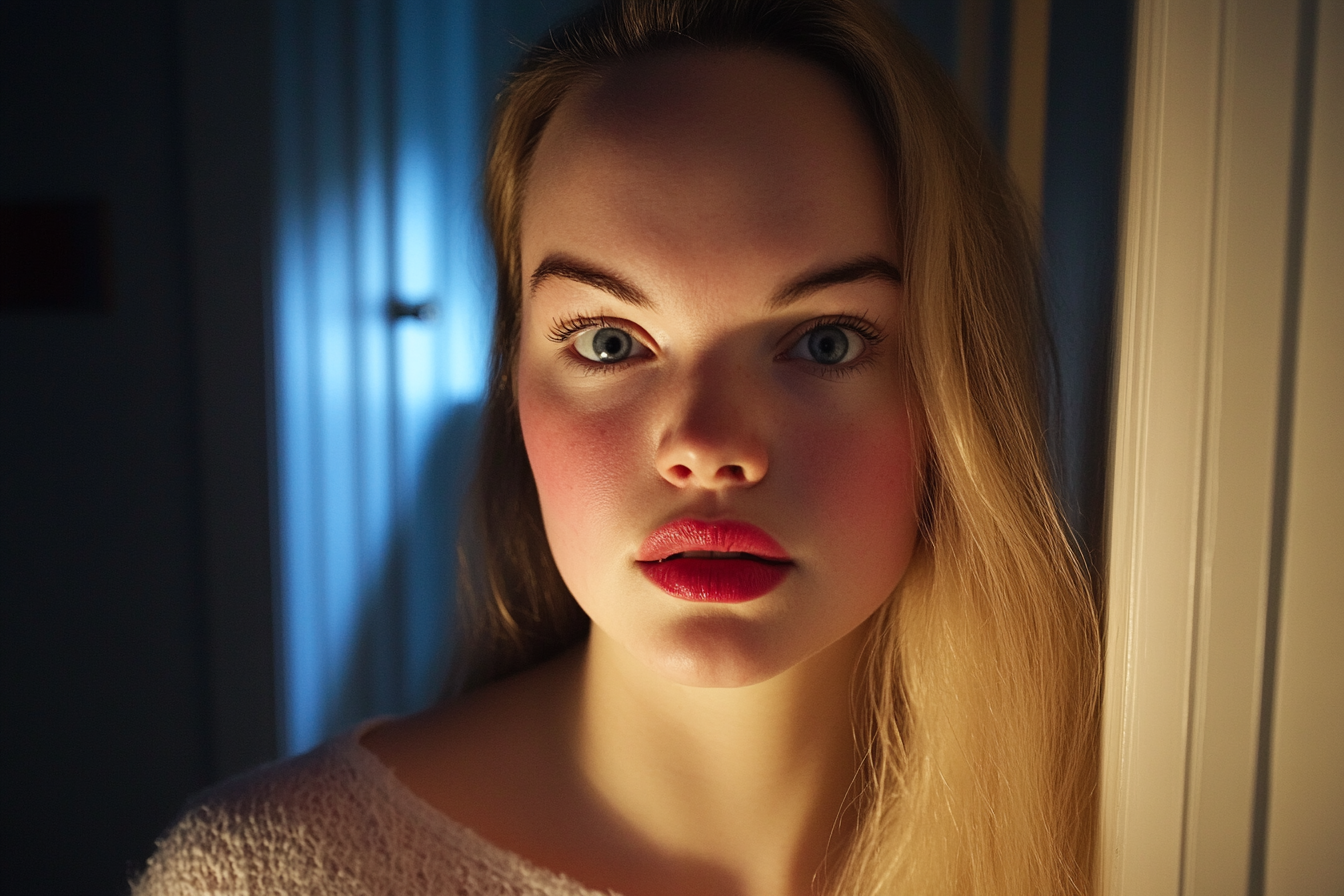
[{"x": 564, "y": 329}]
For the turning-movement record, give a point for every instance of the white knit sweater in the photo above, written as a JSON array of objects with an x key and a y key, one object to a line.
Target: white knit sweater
[{"x": 334, "y": 821}]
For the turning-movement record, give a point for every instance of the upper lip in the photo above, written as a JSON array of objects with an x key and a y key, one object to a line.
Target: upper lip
[{"x": 718, "y": 536}]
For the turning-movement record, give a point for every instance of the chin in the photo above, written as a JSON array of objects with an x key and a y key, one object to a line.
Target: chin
[{"x": 710, "y": 652}]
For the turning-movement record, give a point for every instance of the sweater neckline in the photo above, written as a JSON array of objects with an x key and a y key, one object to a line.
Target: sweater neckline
[{"x": 366, "y": 765}]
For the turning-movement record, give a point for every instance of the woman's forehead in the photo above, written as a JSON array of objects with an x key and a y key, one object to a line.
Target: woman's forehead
[
  {"x": 705, "y": 101},
  {"x": 704, "y": 153},
  {"x": 679, "y": 85}
]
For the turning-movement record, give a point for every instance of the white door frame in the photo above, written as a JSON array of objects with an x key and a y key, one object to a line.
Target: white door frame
[{"x": 1210, "y": 290}]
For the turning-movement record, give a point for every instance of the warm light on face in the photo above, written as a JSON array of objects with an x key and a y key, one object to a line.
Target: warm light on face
[{"x": 709, "y": 333}]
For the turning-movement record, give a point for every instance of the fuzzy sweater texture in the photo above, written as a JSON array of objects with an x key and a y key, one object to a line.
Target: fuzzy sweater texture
[{"x": 334, "y": 821}]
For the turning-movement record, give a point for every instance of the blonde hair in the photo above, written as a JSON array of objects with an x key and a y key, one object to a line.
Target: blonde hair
[{"x": 979, "y": 685}]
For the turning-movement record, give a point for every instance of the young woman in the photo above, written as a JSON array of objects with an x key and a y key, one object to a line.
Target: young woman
[{"x": 769, "y": 593}]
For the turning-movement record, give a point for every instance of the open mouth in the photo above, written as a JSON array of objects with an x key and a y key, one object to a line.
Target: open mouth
[
  {"x": 718, "y": 555},
  {"x": 714, "y": 562},
  {"x": 720, "y": 578}
]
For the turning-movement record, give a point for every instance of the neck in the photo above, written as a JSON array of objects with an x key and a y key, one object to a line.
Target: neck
[{"x": 747, "y": 783}]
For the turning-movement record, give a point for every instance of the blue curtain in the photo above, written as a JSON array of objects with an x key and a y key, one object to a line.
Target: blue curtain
[
  {"x": 383, "y": 304},
  {"x": 377, "y": 148}
]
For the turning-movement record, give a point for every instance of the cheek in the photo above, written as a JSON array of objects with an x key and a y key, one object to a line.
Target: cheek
[
  {"x": 861, "y": 479},
  {"x": 582, "y": 462}
]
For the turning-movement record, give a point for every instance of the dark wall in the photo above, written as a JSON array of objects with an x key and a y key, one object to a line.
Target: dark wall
[
  {"x": 106, "y": 622},
  {"x": 1084, "y": 144}
]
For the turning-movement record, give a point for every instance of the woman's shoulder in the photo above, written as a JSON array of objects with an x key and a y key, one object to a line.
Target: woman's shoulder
[
  {"x": 334, "y": 820},
  {"x": 282, "y": 827}
]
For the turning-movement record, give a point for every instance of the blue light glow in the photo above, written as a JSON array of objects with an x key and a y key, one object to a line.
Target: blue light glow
[
  {"x": 376, "y": 200},
  {"x": 415, "y": 218}
]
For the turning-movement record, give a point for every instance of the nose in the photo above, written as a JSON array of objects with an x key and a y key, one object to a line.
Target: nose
[{"x": 711, "y": 440}]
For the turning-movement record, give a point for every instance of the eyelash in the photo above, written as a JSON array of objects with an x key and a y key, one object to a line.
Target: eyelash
[
  {"x": 562, "y": 329},
  {"x": 862, "y": 326}
]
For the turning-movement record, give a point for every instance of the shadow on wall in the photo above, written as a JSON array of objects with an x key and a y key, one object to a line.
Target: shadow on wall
[{"x": 403, "y": 647}]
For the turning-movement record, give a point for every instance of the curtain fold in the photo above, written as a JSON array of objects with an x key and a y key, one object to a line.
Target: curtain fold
[{"x": 379, "y": 135}]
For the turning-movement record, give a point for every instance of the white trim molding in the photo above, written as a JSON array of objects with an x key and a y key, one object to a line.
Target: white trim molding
[{"x": 1207, "y": 320}]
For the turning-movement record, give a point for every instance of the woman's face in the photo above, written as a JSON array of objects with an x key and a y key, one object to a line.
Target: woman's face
[{"x": 710, "y": 323}]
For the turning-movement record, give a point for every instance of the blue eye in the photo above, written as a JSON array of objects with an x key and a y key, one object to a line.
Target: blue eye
[
  {"x": 606, "y": 345},
  {"x": 829, "y": 345}
]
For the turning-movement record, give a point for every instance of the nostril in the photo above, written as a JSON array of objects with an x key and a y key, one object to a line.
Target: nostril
[{"x": 710, "y": 475}]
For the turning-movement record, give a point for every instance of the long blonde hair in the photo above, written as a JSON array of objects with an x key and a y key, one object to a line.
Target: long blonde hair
[{"x": 978, "y": 691}]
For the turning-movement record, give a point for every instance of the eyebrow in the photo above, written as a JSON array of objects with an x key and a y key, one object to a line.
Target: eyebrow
[
  {"x": 867, "y": 267},
  {"x": 566, "y": 268}
]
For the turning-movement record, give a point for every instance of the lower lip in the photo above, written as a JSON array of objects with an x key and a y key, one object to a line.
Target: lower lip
[{"x": 706, "y": 580}]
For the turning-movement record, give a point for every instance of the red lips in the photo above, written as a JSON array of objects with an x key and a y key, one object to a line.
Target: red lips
[{"x": 753, "y": 563}]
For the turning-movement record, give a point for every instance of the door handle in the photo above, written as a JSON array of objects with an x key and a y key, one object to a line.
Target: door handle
[{"x": 398, "y": 309}]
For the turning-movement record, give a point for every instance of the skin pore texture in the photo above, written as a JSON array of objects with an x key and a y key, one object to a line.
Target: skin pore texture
[{"x": 717, "y": 208}]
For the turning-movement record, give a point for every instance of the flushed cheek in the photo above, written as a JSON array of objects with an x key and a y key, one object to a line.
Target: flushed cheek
[
  {"x": 583, "y": 464},
  {"x": 861, "y": 480}
]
